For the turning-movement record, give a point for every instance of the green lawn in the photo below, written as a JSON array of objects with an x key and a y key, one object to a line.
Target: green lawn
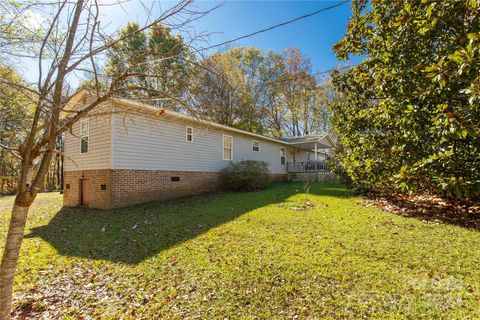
[{"x": 278, "y": 253}]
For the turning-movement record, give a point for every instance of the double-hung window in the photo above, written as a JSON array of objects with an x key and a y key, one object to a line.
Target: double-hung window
[
  {"x": 227, "y": 147},
  {"x": 189, "y": 134},
  {"x": 255, "y": 145},
  {"x": 283, "y": 158},
  {"x": 84, "y": 135}
]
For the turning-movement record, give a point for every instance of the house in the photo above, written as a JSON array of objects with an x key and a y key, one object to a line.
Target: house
[{"x": 125, "y": 152}]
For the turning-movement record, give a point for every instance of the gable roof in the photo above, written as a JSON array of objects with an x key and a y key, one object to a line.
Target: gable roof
[{"x": 290, "y": 141}]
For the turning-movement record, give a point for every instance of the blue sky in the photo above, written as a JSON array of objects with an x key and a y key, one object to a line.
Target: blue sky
[{"x": 314, "y": 36}]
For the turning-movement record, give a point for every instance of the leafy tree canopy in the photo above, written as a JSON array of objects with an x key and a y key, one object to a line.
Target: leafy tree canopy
[
  {"x": 410, "y": 118},
  {"x": 156, "y": 61},
  {"x": 16, "y": 109},
  {"x": 272, "y": 93}
]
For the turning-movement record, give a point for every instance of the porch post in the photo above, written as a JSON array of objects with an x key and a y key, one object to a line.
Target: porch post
[{"x": 316, "y": 154}]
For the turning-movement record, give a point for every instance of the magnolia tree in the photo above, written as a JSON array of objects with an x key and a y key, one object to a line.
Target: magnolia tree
[
  {"x": 409, "y": 118},
  {"x": 69, "y": 39}
]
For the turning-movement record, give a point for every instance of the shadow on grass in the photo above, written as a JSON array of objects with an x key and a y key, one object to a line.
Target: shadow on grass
[{"x": 131, "y": 235}]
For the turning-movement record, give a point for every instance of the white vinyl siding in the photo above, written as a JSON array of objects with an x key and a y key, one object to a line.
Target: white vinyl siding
[
  {"x": 99, "y": 145},
  {"x": 227, "y": 147},
  {"x": 148, "y": 143}
]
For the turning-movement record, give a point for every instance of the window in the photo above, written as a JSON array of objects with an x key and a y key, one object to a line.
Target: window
[
  {"x": 283, "y": 158},
  {"x": 189, "y": 134},
  {"x": 227, "y": 147},
  {"x": 84, "y": 133},
  {"x": 255, "y": 145}
]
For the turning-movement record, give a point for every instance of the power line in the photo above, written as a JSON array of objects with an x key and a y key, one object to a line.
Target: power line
[
  {"x": 264, "y": 30},
  {"x": 274, "y": 26},
  {"x": 331, "y": 70},
  {"x": 298, "y": 76}
]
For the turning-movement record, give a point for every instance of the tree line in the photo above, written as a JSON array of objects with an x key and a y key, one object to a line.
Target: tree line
[
  {"x": 271, "y": 93},
  {"x": 16, "y": 111}
]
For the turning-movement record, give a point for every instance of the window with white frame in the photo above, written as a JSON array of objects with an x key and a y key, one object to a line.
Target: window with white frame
[
  {"x": 227, "y": 147},
  {"x": 283, "y": 156},
  {"x": 84, "y": 135},
  {"x": 255, "y": 145},
  {"x": 189, "y": 134}
]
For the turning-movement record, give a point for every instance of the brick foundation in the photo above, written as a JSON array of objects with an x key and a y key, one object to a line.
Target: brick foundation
[
  {"x": 279, "y": 177},
  {"x": 100, "y": 199},
  {"x": 138, "y": 186},
  {"x": 128, "y": 187}
]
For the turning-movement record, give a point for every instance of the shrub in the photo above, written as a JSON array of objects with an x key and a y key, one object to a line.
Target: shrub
[{"x": 245, "y": 175}]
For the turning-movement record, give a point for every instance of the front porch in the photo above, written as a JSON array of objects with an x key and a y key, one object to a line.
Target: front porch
[
  {"x": 313, "y": 167},
  {"x": 310, "y": 171}
]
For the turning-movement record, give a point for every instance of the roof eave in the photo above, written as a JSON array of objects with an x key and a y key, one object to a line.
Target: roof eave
[{"x": 153, "y": 109}]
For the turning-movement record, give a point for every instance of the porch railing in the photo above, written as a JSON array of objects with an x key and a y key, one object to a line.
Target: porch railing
[{"x": 309, "y": 166}]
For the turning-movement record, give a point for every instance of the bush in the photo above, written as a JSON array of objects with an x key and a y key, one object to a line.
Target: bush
[{"x": 245, "y": 175}]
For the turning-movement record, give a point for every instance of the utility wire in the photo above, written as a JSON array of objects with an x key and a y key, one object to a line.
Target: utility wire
[
  {"x": 271, "y": 28},
  {"x": 274, "y": 26},
  {"x": 266, "y": 29},
  {"x": 331, "y": 70},
  {"x": 298, "y": 76}
]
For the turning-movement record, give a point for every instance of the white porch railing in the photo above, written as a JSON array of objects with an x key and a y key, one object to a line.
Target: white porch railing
[
  {"x": 310, "y": 171},
  {"x": 309, "y": 166}
]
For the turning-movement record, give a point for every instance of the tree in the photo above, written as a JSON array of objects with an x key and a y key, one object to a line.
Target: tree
[
  {"x": 15, "y": 111},
  {"x": 298, "y": 92},
  {"x": 157, "y": 53},
  {"x": 14, "y": 27},
  {"x": 410, "y": 116},
  {"x": 248, "y": 75},
  {"x": 272, "y": 93},
  {"x": 230, "y": 86},
  {"x": 275, "y": 111},
  {"x": 70, "y": 41},
  {"x": 326, "y": 97},
  {"x": 214, "y": 98}
]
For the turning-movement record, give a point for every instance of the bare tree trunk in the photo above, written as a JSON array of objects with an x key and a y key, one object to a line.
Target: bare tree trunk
[
  {"x": 11, "y": 252},
  {"x": 57, "y": 172}
]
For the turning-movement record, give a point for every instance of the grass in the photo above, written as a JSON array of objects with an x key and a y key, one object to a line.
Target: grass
[{"x": 278, "y": 254}]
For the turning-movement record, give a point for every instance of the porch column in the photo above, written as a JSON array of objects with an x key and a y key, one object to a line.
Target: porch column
[{"x": 316, "y": 154}]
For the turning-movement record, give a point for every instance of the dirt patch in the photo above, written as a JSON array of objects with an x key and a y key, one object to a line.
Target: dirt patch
[{"x": 300, "y": 205}]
